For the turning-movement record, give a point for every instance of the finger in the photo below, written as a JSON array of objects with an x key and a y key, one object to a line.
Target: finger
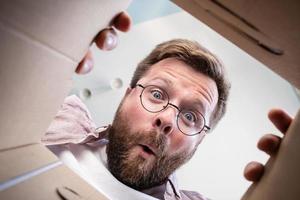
[
  {"x": 107, "y": 39},
  {"x": 269, "y": 143},
  {"x": 86, "y": 65},
  {"x": 280, "y": 119},
  {"x": 122, "y": 22},
  {"x": 253, "y": 171}
]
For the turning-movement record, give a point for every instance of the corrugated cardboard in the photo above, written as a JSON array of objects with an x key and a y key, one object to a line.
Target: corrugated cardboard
[
  {"x": 15, "y": 162},
  {"x": 281, "y": 176},
  {"x": 45, "y": 186},
  {"x": 41, "y": 45},
  {"x": 42, "y": 42},
  {"x": 64, "y": 26},
  {"x": 268, "y": 30},
  {"x": 34, "y": 80}
]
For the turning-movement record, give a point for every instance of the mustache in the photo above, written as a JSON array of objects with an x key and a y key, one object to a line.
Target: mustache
[
  {"x": 157, "y": 141},
  {"x": 152, "y": 138}
]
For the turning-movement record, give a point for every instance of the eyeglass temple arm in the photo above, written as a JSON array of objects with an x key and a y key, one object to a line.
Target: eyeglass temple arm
[
  {"x": 140, "y": 86},
  {"x": 207, "y": 128}
]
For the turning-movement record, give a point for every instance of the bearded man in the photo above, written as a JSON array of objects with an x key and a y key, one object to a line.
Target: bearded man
[{"x": 177, "y": 95}]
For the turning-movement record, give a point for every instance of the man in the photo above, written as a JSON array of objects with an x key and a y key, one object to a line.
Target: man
[{"x": 177, "y": 95}]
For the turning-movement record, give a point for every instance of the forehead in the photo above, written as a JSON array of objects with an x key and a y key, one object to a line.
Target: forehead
[{"x": 184, "y": 79}]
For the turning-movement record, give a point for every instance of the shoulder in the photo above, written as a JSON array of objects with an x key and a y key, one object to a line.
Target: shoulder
[{"x": 72, "y": 124}]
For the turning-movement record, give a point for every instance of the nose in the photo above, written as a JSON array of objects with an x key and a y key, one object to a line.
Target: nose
[{"x": 165, "y": 120}]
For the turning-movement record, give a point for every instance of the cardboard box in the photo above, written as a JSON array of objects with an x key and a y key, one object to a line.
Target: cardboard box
[
  {"x": 60, "y": 181},
  {"x": 281, "y": 176},
  {"x": 42, "y": 42},
  {"x": 270, "y": 32},
  {"x": 267, "y": 30},
  {"x": 16, "y": 161}
]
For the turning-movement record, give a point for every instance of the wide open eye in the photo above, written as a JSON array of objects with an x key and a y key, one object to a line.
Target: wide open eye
[
  {"x": 189, "y": 117},
  {"x": 154, "y": 99},
  {"x": 157, "y": 94}
]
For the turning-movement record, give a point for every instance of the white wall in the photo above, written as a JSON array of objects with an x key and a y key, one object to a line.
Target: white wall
[{"x": 217, "y": 168}]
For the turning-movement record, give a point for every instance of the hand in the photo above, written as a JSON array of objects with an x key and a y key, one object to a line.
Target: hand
[
  {"x": 107, "y": 40},
  {"x": 269, "y": 143}
]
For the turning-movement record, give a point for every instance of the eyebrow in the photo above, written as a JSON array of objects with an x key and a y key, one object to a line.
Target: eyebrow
[
  {"x": 198, "y": 102},
  {"x": 166, "y": 81}
]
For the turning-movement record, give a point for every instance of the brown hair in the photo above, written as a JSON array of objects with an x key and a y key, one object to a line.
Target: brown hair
[{"x": 196, "y": 56}]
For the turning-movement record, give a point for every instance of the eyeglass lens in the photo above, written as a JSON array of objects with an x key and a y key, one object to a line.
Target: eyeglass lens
[{"x": 154, "y": 99}]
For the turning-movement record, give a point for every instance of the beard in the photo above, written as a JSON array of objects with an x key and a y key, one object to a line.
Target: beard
[{"x": 134, "y": 170}]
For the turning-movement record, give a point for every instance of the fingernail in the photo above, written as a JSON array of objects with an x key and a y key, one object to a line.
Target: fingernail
[
  {"x": 87, "y": 67},
  {"x": 110, "y": 42}
]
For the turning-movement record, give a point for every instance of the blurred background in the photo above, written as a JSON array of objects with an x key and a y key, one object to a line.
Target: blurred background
[{"x": 216, "y": 170}]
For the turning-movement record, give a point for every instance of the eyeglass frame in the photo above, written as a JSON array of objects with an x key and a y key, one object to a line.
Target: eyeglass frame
[{"x": 177, "y": 115}]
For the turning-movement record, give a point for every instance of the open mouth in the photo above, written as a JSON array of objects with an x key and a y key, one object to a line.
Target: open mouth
[{"x": 147, "y": 149}]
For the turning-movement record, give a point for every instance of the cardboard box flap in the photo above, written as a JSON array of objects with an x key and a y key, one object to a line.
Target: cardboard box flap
[
  {"x": 20, "y": 160},
  {"x": 58, "y": 183},
  {"x": 281, "y": 177},
  {"x": 35, "y": 80},
  {"x": 267, "y": 30},
  {"x": 41, "y": 45},
  {"x": 67, "y": 27}
]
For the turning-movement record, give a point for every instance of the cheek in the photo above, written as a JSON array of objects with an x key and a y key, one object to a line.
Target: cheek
[
  {"x": 180, "y": 143},
  {"x": 136, "y": 115}
]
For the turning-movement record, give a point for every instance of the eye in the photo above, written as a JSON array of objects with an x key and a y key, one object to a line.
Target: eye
[
  {"x": 157, "y": 94},
  {"x": 190, "y": 116}
]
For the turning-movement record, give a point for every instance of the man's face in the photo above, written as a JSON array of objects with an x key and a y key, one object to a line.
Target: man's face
[{"x": 145, "y": 148}]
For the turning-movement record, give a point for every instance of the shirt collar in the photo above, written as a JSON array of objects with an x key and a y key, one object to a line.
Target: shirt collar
[
  {"x": 172, "y": 181},
  {"x": 168, "y": 190}
]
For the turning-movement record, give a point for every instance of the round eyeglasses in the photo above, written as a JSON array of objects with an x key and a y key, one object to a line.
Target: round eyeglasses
[{"x": 189, "y": 121}]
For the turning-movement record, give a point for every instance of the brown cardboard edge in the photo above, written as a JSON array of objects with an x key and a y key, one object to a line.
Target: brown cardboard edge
[
  {"x": 51, "y": 184},
  {"x": 282, "y": 65},
  {"x": 22, "y": 159}
]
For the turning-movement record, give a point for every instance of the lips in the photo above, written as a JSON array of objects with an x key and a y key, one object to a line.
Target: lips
[{"x": 149, "y": 149}]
